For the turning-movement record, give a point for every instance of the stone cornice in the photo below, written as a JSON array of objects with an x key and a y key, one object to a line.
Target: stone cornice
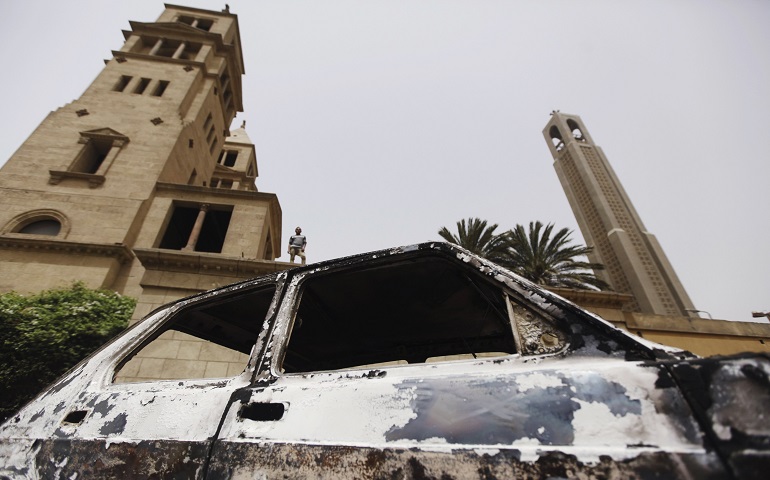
[
  {"x": 593, "y": 298},
  {"x": 218, "y": 192},
  {"x": 156, "y": 58},
  {"x": 41, "y": 243},
  {"x": 664, "y": 323},
  {"x": 203, "y": 263},
  {"x": 177, "y": 31}
]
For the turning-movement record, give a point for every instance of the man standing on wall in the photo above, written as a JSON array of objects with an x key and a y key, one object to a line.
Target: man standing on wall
[{"x": 297, "y": 245}]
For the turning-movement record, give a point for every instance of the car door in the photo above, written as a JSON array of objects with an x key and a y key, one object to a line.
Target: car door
[
  {"x": 427, "y": 366},
  {"x": 149, "y": 405}
]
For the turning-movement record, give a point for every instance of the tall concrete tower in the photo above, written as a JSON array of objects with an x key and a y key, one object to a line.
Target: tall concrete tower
[
  {"x": 138, "y": 186},
  {"x": 633, "y": 258}
]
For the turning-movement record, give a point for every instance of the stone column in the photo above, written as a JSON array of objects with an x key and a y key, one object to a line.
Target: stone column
[
  {"x": 179, "y": 50},
  {"x": 156, "y": 47},
  {"x": 196, "y": 230}
]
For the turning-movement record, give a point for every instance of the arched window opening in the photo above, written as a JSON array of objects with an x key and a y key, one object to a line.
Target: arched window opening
[
  {"x": 48, "y": 226},
  {"x": 38, "y": 222},
  {"x": 556, "y": 138},
  {"x": 575, "y": 129}
]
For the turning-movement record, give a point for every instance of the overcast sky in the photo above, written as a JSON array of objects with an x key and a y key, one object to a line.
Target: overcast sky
[{"x": 378, "y": 122}]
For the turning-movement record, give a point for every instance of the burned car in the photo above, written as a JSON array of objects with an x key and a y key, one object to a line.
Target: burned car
[{"x": 417, "y": 362}]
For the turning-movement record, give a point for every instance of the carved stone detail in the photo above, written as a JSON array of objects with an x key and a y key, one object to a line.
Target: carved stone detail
[{"x": 535, "y": 334}]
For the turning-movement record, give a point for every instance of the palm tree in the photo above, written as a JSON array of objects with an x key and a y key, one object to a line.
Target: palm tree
[
  {"x": 477, "y": 237},
  {"x": 550, "y": 261}
]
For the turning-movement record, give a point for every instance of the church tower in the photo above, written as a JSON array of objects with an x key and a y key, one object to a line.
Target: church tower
[
  {"x": 633, "y": 258},
  {"x": 138, "y": 186}
]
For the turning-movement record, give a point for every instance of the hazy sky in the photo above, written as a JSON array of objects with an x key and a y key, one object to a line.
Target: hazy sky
[{"x": 378, "y": 122}]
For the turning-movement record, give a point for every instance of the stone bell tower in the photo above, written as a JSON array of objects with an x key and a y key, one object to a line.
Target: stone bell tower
[
  {"x": 139, "y": 186},
  {"x": 633, "y": 258}
]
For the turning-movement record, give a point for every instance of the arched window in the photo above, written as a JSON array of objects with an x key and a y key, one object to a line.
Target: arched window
[
  {"x": 575, "y": 129},
  {"x": 46, "y": 221},
  {"x": 42, "y": 227},
  {"x": 556, "y": 138}
]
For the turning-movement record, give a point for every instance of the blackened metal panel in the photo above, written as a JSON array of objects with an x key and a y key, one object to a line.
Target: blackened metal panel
[
  {"x": 299, "y": 461},
  {"x": 730, "y": 398}
]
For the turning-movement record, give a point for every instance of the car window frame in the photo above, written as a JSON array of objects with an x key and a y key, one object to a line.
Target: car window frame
[
  {"x": 170, "y": 311},
  {"x": 286, "y": 316}
]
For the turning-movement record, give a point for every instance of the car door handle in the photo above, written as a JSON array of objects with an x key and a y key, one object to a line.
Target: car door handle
[{"x": 262, "y": 412}]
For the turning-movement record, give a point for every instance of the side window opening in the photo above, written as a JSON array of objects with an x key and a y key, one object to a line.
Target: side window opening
[
  {"x": 213, "y": 222},
  {"x": 556, "y": 139},
  {"x": 142, "y": 85},
  {"x": 212, "y": 339},
  {"x": 92, "y": 155},
  {"x": 228, "y": 158},
  {"x": 122, "y": 83},
  {"x": 160, "y": 88},
  {"x": 575, "y": 129},
  {"x": 415, "y": 311}
]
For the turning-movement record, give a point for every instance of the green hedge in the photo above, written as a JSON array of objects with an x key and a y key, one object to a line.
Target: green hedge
[{"x": 44, "y": 335}]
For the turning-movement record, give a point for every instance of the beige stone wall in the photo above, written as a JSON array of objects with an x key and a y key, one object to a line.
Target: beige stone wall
[
  {"x": 706, "y": 345},
  {"x": 113, "y": 219},
  {"x": 176, "y": 355},
  {"x": 33, "y": 271},
  {"x": 701, "y": 336}
]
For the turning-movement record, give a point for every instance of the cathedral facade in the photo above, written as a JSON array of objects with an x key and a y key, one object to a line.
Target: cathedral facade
[{"x": 138, "y": 186}]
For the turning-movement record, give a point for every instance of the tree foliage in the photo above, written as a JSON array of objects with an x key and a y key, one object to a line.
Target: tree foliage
[
  {"x": 44, "y": 335},
  {"x": 537, "y": 255},
  {"x": 476, "y": 237},
  {"x": 550, "y": 260}
]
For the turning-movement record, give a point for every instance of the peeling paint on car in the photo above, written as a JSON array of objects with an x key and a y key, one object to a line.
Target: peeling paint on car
[{"x": 579, "y": 398}]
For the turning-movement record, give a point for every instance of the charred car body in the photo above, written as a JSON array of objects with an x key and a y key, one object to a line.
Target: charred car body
[{"x": 417, "y": 362}]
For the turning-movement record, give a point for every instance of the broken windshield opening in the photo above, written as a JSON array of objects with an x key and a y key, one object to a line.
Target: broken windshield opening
[
  {"x": 210, "y": 339},
  {"x": 409, "y": 312}
]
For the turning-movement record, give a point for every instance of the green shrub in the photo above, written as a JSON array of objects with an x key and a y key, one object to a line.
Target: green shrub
[{"x": 44, "y": 335}]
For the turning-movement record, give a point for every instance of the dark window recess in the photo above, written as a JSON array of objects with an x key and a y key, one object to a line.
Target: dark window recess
[
  {"x": 228, "y": 158},
  {"x": 142, "y": 85},
  {"x": 208, "y": 121},
  {"x": 221, "y": 183},
  {"x": 227, "y": 325},
  {"x": 575, "y": 129},
  {"x": 200, "y": 23},
  {"x": 212, "y": 234},
  {"x": 556, "y": 139},
  {"x": 160, "y": 88},
  {"x": 213, "y": 147},
  {"x": 410, "y": 312},
  {"x": 168, "y": 48},
  {"x": 42, "y": 227},
  {"x": 92, "y": 155},
  {"x": 269, "y": 248},
  {"x": 171, "y": 49},
  {"x": 122, "y": 83}
]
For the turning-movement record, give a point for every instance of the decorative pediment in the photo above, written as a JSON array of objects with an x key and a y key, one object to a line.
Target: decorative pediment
[{"x": 104, "y": 133}]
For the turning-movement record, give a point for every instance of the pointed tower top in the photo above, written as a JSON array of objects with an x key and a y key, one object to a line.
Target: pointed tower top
[{"x": 239, "y": 135}]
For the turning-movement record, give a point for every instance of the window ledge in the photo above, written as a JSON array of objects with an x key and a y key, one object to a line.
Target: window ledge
[
  {"x": 206, "y": 263},
  {"x": 92, "y": 179}
]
